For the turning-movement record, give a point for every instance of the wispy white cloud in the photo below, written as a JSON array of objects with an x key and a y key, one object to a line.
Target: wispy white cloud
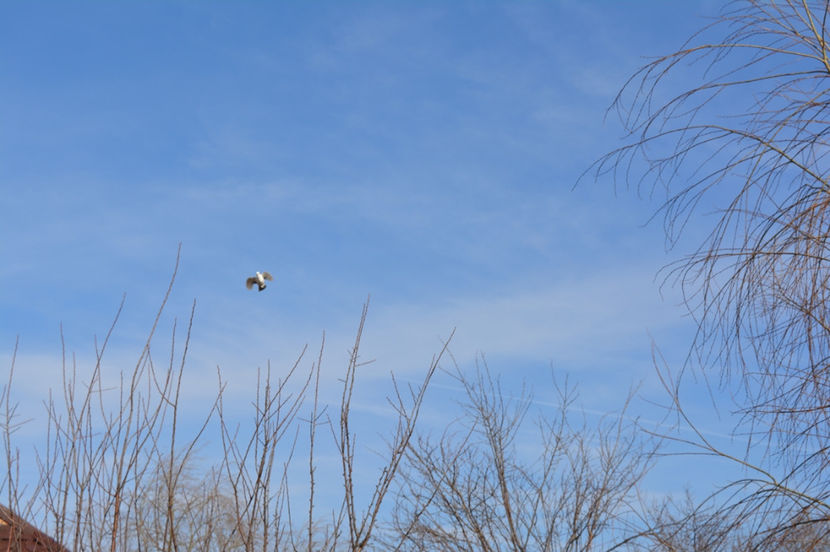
[{"x": 574, "y": 322}]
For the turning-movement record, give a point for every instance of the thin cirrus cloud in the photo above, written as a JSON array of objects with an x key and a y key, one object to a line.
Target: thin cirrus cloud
[{"x": 577, "y": 324}]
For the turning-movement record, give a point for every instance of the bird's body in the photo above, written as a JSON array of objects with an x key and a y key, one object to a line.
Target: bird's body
[{"x": 259, "y": 280}]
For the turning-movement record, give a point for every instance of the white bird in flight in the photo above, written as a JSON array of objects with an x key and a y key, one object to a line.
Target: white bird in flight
[{"x": 259, "y": 280}]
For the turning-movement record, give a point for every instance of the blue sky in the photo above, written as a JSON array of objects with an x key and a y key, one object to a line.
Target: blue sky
[{"x": 421, "y": 153}]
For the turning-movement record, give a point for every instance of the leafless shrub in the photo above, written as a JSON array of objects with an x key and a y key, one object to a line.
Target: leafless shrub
[
  {"x": 406, "y": 404},
  {"x": 685, "y": 526},
  {"x": 474, "y": 489},
  {"x": 192, "y": 511},
  {"x": 115, "y": 473}
]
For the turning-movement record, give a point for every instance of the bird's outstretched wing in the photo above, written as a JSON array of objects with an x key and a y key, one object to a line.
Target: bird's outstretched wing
[
  {"x": 267, "y": 276},
  {"x": 249, "y": 283}
]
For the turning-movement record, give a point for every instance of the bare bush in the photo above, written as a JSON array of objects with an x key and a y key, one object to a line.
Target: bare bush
[
  {"x": 192, "y": 511},
  {"x": 475, "y": 488},
  {"x": 116, "y": 474}
]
